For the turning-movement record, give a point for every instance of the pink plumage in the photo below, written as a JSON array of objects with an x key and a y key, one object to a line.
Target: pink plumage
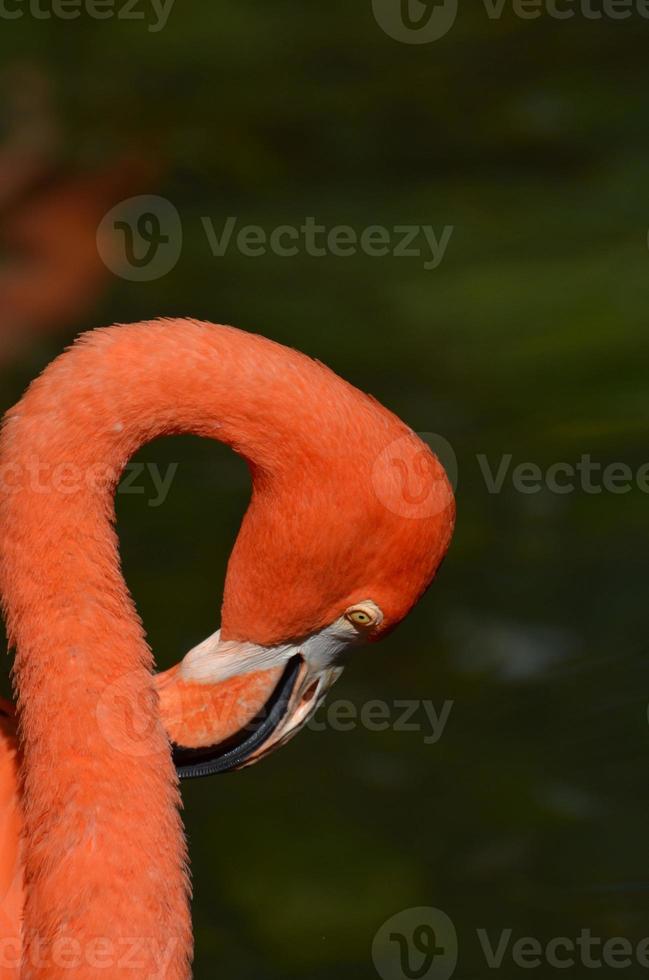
[{"x": 348, "y": 505}]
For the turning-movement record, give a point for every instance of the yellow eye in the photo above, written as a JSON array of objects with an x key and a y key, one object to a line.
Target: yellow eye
[
  {"x": 364, "y": 615},
  {"x": 359, "y": 617}
]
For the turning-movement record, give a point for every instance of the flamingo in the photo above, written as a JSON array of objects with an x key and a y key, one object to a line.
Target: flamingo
[
  {"x": 52, "y": 271},
  {"x": 349, "y": 519}
]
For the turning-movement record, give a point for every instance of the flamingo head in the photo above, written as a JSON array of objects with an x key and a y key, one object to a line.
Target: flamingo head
[{"x": 313, "y": 575}]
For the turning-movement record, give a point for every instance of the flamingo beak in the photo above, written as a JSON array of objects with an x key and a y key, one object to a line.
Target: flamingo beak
[
  {"x": 219, "y": 720},
  {"x": 228, "y": 704},
  {"x": 235, "y": 746},
  {"x": 309, "y": 691}
]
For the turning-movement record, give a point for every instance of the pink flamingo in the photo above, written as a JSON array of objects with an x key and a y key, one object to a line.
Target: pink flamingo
[{"x": 332, "y": 552}]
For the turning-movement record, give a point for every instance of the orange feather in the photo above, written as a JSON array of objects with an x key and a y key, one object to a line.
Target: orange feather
[{"x": 333, "y": 520}]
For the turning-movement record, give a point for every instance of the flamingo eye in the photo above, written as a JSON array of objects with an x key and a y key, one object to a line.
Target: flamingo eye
[{"x": 360, "y": 617}]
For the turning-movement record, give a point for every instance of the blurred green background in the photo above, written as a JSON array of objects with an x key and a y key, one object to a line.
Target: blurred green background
[{"x": 531, "y": 139}]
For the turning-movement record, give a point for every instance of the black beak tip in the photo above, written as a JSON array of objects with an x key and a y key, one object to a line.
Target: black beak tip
[{"x": 235, "y": 751}]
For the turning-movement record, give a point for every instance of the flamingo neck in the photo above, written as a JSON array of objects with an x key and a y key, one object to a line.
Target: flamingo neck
[
  {"x": 104, "y": 847},
  {"x": 103, "y": 844}
]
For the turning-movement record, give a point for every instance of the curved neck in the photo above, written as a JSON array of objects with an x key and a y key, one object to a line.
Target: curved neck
[{"x": 104, "y": 849}]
